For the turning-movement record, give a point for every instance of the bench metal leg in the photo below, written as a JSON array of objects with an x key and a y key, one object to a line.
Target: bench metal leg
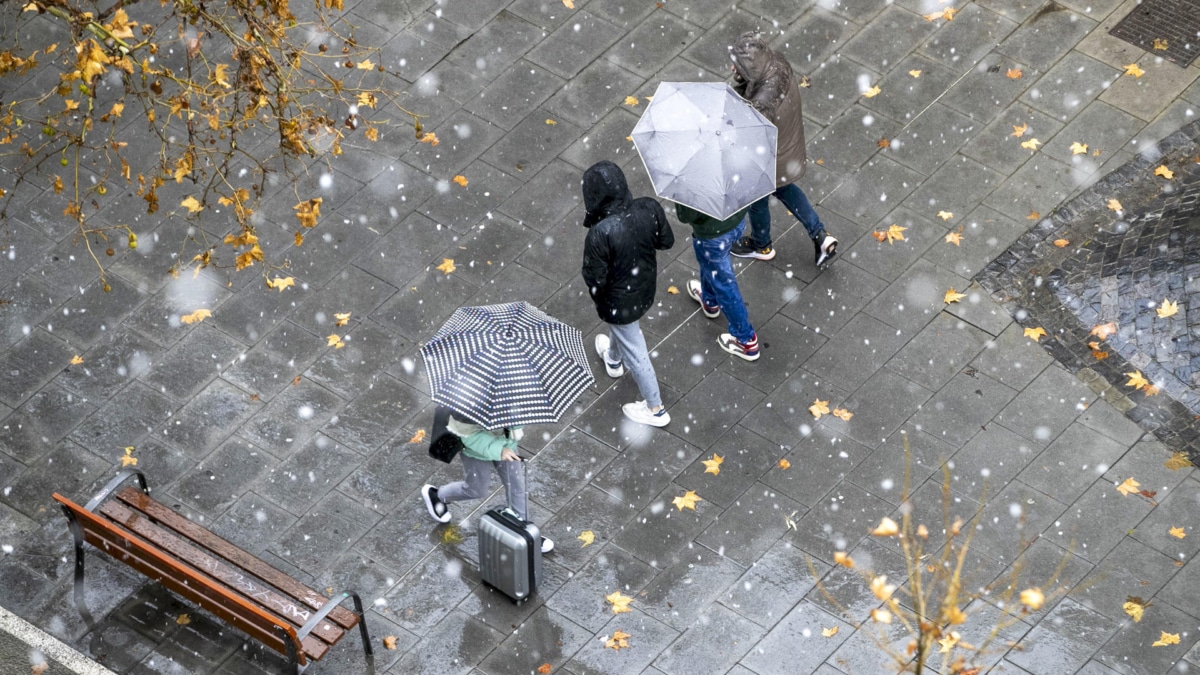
[
  {"x": 292, "y": 657},
  {"x": 362, "y": 623},
  {"x": 77, "y": 591}
]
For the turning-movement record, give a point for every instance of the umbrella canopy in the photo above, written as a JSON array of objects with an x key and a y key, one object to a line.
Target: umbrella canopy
[
  {"x": 706, "y": 148},
  {"x": 506, "y": 365}
]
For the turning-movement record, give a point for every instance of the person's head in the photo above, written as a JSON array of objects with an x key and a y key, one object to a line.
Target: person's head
[
  {"x": 750, "y": 55},
  {"x": 605, "y": 192}
]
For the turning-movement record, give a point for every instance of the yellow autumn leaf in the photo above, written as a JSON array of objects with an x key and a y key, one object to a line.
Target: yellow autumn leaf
[
  {"x": 460, "y": 180},
  {"x": 1164, "y": 172},
  {"x": 631, "y": 100},
  {"x": 1033, "y": 598},
  {"x": 447, "y": 266},
  {"x": 417, "y": 437},
  {"x": 1078, "y": 148},
  {"x": 892, "y": 234},
  {"x": 1166, "y": 639},
  {"x": 672, "y": 290},
  {"x": 1167, "y": 308},
  {"x": 365, "y": 65},
  {"x": 872, "y": 92},
  {"x": 619, "y": 639},
  {"x": 1159, "y": 44},
  {"x": 1177, "y": 461},
  {"x": 1103, "y": 330},
  {"x": 687, "y": 501},
  {"x": 1115, "y": 205},
  {"x": 70, "y": 104},
  {"x": 551, "y": 122},
  {"x": 280, "y": 283},
  {"x": 784, "y": 464},
  {"x": 948, "y": 642},
  {"x": 886, "y": 528},
  {"x": 1132, "y": 69},
  {"x": 372, "y": 134},
  {"x": 953, "y": 296},
  {"x": 76, "y": 360},
  {"x": 389, "y": 642},
  {"x": 128, "y": 459},
  {"x": 587, "y": 537},
  {"x": 829, "y": 632},
  {"x": 881, "y": 588},
  {"x": 843, "y": 559},
  {"x": 117, "y": 109},
  {"x": 1136, "y": 380},
  {"x": 620, "y": 603},
  {"x": 221, "y": 75},
  {"x": 954, "y": 238},
  {"x": 945, "y": 215},
  {"x": 1031, "y": 144},
  {"x": 1062, "y": 243},
  {"x": 1019, "y": 131},
  {"x": 842, "y": 414},
  {"x": 1033, "y": 215},
  {"x": 191, "y": 205},
  {"x": 881, "y": 615},
  {"x": 1035, "y": 334},
  {"x": 183, "y": 620},
  {"x": 569, "y": 4},
  {"x": 196, "y": 316},
  {"x": 819, "y": 408},
  {"x": 1134, "y": 608},
  {"x": 713, "y": 465},
  {"x": 334, "y": 341},
  {"x": 1177, "y": 532},
  {"x": 366, "y": 99},
  {"x": 341, "y": 318},
  {"x": 914, "y": 73},
  {"x": 1014, "y": 73},
  {"x": 1129, "y": 487},
  {"x": 308, "y": 211},
  {"x": 430, "y": 138}
]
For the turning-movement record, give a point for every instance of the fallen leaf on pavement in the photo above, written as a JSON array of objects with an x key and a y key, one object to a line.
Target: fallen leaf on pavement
[
  {"x": 447, "y": 265},
  {"x": 198, "y": 315},
  {"x": 784, "y": 464},
  {"x": 341, "y": 319},
  {"x": 872, "y": 92},
  {"x": 334, "y": 341},
  {"x": 1062, "y": 243},
  {"x": 1135, "y": 607},
  {"x": 1033, "y": 598},
  {"x": 280, "y": 283},
  {"x": 618, "y": 641},
  {"x": 819, "y": 408},
  {"x": 881, "y": 615},
  {"x": 587, "y": 537},
  {"x": 914, "y": 73},
  {"x": 881, "y": 588},
  {"x": 128, "y": 459},
  {"x": 1178, "y": 461},
  {"x": 191, "y": 205},
  {"x": 620, "y": 603},
  {"x": 1136, "y": 380},
  {"x": 829, "y": 632},
  {"x": 417, "y": 437},
  {"x": 1132, "y": 69},
  {"x": 1177, "y": 532},
  {"x": 1129, "y": 487},
  {"x": 1167, "y": 308},
  {"x": 687, "y": 501},
  {"x": 672, "y": 290},
  {"x": 954, "y": 238},
  {"x": 1019, "y": 131},
  {"x": 295, "y": 380},
  {"x": 1033, "y": 215},
  {"x": 1036, "y": 334},
  {"x": 842, "y": 414},
  {"x": 1014, "y": 74},
  {"x": 1078, "y": 148},
  {"x": 882, "y": 143},
  {"x": 551, "y": 122},
  {"x": 569, "y": 4},
  {"x": 430, "y": 138},
  {"x": 953, "y": 296},
  {"x": 76, "y": 360},
  {"x": 713, "y": 465},
  {"x": 945, "y": 215},
  {"x": 843, "y": 559},
  {"x": 1164, "y": 172},
  {"x": 183, "y": 620},
  {"x": 544, "y": 669},
  {"x": 460, "y": 180},
  {"x": 1103, "y": 330},
  {"x": 1115, "y": 205},
  {"x": 1166, "y": 639},
  {"x": 1031, "y": 144},
  {"x": 948, "y": 642},
  {"x": 886, "y": 528},
  {"x": 1159, "y": 44},
  {"x": 893, "y": 233},
  {"x": 389, "y": 642},
  {"x": 631, "y": 100}
]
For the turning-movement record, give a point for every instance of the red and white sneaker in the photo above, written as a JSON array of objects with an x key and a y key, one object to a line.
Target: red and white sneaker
[
  {"x": 693, "y": 289},
  {"x": 742, "y": 350}
]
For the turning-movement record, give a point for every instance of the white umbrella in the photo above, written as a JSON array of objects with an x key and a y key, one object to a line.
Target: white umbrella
[{"x": 705, "y": 147}]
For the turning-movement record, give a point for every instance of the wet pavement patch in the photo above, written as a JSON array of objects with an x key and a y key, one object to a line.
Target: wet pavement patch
[
  {"x": 1097, "y": 262},
  {"x": 1166, "y": 28}
]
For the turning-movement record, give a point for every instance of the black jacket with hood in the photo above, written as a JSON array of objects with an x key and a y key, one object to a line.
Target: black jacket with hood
[{"x": 620, "y": 260}]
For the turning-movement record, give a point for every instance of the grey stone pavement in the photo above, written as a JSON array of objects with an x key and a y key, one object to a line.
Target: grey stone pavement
[{"x": 318, "y": 475}]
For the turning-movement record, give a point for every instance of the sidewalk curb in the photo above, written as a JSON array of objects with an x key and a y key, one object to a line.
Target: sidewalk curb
[{"x": 50, "y": 646}]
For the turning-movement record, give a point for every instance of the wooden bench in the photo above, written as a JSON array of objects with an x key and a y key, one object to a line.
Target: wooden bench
[{"x": 247, "y": 593}]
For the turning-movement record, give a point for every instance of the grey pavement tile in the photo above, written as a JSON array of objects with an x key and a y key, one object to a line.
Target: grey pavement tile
[
  {"x": 325, "y": 254},
  {"x": 1131, "y": 649},
  {"x": 837, "y": 83},
  {"x": 252, "y": 313},
  {"x": 1030, "y": 45},
  {"x": 430, "y": 592},
  {"x": 991, "y": 460},
  {"x": 577, "y": 43},
  {"x": 842, "y": 519},
  {"x": 798, "y": 634},
  {"x": 960, "y": 43},
  {"x": 111, "y": 363},
  {"x": 347, "y": 656},
  {"x": 957, "y": 187},
  {"x": 437, "y": 92},
  {"x": 591, "y": 509},
  {"x": 607, "y": 139},
  {"x": 1149, "y": 95},
  {"x": 545, "y": 637},
  {"x": 915, "y": 298},
  {"x": 91, "y": 311},
  {"x": 515, "y": 93},
  {"x": 1102, "y": 417},
  {"x": 29, "y": 300},
  {"x": 300, "y": 480},
  {"x": 553, "y": 193},
  {"x": 621, "y": 13},
  {"x": 682, "y": 595},
  {"x": 781, "y": 12},
  {"x": 873, "y": 648},
  {"x": 784, "y": 346},
  {"x": 662, "y": 533},
  {"x": 745, "y": 457},
  {"x": 645, "y": 468},
  {"x": 372, "y": 418},
  {"x": 713, "y": 407},
  {"x": 208, "y": 417},
  {"x": 860, "y": 9},
  {"x": 649, "y": 638},
  {"x": 700, "y": 12},
  {"x": 423, "y": 304},
  {"x": 572, "y": 305},
  {"x": 1070, "y": 85},
  {"x": 65, "y": 267},
  {"x": 68, "y": 469},
  {"x": 999, "y": 148},
  {"x": 833, "y": 298},
  {"x": 1066, "y": 641},
  {"x": 944, "y": 347},
  {"x": 253, "y": 523},
  {"x": 565, "y": 466},
  {"x": 933, "y": 137},
  {"x": 515, "y": 282},
  {"x": 985, "y": 91},
  {"x": 391, "y": 473},
  {"x": 499, "y": 611},
  {"x": 159, "y": 316},
  {"x": 268, "y": 367},
  {"x": 875, "y": 190},
  {"x": 353, "y": 292},
  {"x": 1099, "y": 520},
  {"x": 1072, "y": 463},
  {"x": 1093, "y": 10},
  {"x": 1102, "y": 127},
  {"x": 1012, "y": 358},
  {"x": 1047, "y": 405},
  {"x": 678, "y": 69},
  {"x": 406, "y": 536},
  {"x": 368, "y": 351},
  {"x": 391, "y": 196},
  {"x": 472, "y": 16},
  {"x": 462, "y": 137},
  {"x": 985, "y": 235},
  {"x": 456, "y": 645},
  {"x": 772, "y": 586},
  {"x": 219, "y": 479},
  {"x": 717, "y": 642},
  {"x": 883, "y": 472},
  {"x": 582, "y": 598},
  {"x": 1176, "y": 508},
  {"x": 543, "y": 13},
  {"x": 1182, "y": 590},
  {"x": 979, "y": 309},
  {"x": 30, "y": 364},
  {"x": 486, "y": 248},
  {"x": 888, "y": 37},
  {"x": 44, "y": 420},
  {"x": 859, "y": 349},
  {"x": 651, "y": 45},
  {"x": 1040, "y": 186},
  {"x": 416, "y": 49},
  {"x": 1100, "y": 44},
  {"x": 1178, "y": 114},
  {"x": 319, "y": 539},
  {"x": 127, "y": 417},
  {"x": 1017, "y": 515},
  {"x": 751, "y": 525},
  {"x": 591, "y": 94},
  {"x": 964, "y": 407},
  {"x": 351, "y": 571},
  {"x": 460, "y": 207},
  {"x": 23, "y": 242},
  {"x": 783, "y": 417},
  {"x": 851, "y": 139},
  {"x": 812, "y": 38},
  {"x": 558, "y": 254},
  {"x": 879, "y": 407},
  {"x": 889, "y": 259}
]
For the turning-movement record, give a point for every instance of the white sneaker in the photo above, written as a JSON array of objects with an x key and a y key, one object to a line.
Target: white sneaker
[
  {"x": 437, "y": 508},
  {"x": 693, "y": 289},
  {"x": 602, "y": 345},
  {"x": 547, "y": 545},
  {"x": 639, "y": 411}
]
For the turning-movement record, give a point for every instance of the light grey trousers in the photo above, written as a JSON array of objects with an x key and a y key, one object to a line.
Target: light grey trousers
[
  {"x": 629, "y": 347},
  {"x": 477, "y": 480}
]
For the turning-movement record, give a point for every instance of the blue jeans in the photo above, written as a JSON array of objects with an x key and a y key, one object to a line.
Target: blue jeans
[
  {"x": 718, "y": 283},
  {"x": 795, "y": 200}
]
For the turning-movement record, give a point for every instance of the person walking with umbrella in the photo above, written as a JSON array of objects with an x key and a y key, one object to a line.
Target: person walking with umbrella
[
  {"x": 764, "y": 78},
  {"x": 717, "y": 289},
  {"x": 620, "y": 266}
]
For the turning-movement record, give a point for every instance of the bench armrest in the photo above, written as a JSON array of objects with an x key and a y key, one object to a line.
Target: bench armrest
[
  {"x": 329, "y": 607},
  {"x": 114, "y": 484}
]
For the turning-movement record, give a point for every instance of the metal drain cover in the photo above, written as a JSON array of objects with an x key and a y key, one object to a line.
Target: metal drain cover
[{"x": 1176, "y": 22}]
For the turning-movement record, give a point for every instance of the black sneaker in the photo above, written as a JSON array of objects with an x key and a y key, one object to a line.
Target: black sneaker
[
  {"x": 437, "y": 508},
  {"x": 745, "y": 248},
  {"x": 826, "y": 246}
]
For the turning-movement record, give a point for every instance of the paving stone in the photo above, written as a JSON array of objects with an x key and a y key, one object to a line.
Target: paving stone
[
  {"x": 416, "y": 49},
  {"x": 1101, "y": 126},
  {"x": 716, "y": 642},
  {"x": 998, "y": 147},
  {"x": 209, "y": 417},
  {"x": 1038, "y": 407},
  {"x": 643, "y": 470},
  {"x": 29, "y": 300},
  {"x": 110, "y": 364},
  {"x": 558, "y": 254},
  {"x": 620, "y": 14},
  {"x": 860, "y": 9},
  {"x": 91, "y": 312},
  {"x": 889, "y": 260},
  {"x": 1028, "y": 43},
  {"x": 1066, "y": 643},
  {"x": 550, "y": 195},
  {"x": 1106, "y": 419},
  {"x": 485, "y": 249},
  {"x": 582, "y": 598},
  {"x": 266, "y": 368},
  {"x": 961, "y": 43},
  {"x": 1146, "y": 143},
  {"x": 851, "y": 139},
  {"x": 849, "y": 362},
  {"x": 842, "y": 519},
  {"x": 115, "y": 645},
  {"x": 514, "y": 282},
  {"x": 944, "y": 347},
  {"x": 1040, "y": 185},
  {"x": 192, "y": 363},
  {"x": 964, "y": 407},
  {"x": 700, "y": 12},
  {"x": 682, "y": 595},
  {"x": 812, "y": 38},
  {"x": 430, "y": 592},
  {"x": 371, "y": 419},
  {"x": 933, "y": 136},
  {"x": 1181, "y": 591},
  {"x": 834, "y": 298},
  {"x": 957, "y": 187},
  {"x": 66, "y": 267},
  {"x": 456, "y": 645},
  {"x": 1012, "y": 358},
  {"x": 1015, "y": 515},
  {"x": 985, "y": 234},
  {"x": 836, "y": 85},
  {"x": 495, "y": 46},
  {"x": 546, "y": 15},
  {"x": 990, "y": 460},
  {"x": 591, "y": 509},
  {"x": 1070, "y": 85},
  {"x": 650, "y": 637},
  {"x": 985, "y": 90},
  {"x": 723, "y": 400},
  {"x": 888, "y": 38},
  {"x": 218, "y": 479},
  {"x": 871, "y": 193},
  {"x": 1100, "y": 519},
  {"x": 514, "y": 94},
  {"x": 546, "y": 637},
  {"x": 31, "y": 364},
  {"x": 67, "y": 469},
  {"x": 1072, "y": 463},
  {"x": 872, "y": 648},
  {"x": 253, "y": 523},
  {"x": 300, "y": 480},
  {"x": 884, "y": 470},
  {"x": 748, "y": 527},
  {"x": 421, "y": 306},
  {"x": 1148, "y": 95},
  {"x": 571, "y": 47},
  {"x": 44, "y": 420},
  {"x": 660, "y": 532},
  {"x": 388, "y": 475},
  {"x": 127, "y": 417},
  {"x": 565, "y": 466},
  {"x": 497, "y": 610},
  {"x": 782, "y": 417},
  {"x": 158, "y": 317},
  {"x": 1132, "y": 650},
  {"x": 801, "y": 629},
  {"x": 1176, "y": 508},
  {"x": 647, "y": 48},
  {"x": 768, "y": 590},
  {"x": 745, "y": 457}
]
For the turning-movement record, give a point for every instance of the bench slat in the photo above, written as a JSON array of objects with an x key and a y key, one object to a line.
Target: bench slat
[
  {"x": 189, "y": 530},
  {"x": 189, "y": 583},
  {"x": 252, "y": 589}
]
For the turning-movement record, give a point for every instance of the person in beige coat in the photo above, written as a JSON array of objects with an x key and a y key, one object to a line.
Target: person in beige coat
[{"x": 764, "y": 78}]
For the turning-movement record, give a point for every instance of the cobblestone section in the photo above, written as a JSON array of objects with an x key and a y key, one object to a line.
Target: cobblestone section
[
  {"x": 1117, "y": 268},
  {"x": 1176, "y": 22}
]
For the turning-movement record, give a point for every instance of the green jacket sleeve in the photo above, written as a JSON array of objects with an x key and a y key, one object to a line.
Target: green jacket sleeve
[{"x": 487, "y": 446}]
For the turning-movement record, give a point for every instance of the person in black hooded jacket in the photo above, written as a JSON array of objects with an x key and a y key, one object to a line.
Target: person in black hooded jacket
[{"x": 620, "y": 266}]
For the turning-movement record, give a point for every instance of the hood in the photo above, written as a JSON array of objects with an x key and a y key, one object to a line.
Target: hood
[
  {"x": 605, "y": 192},
  {"x": 750, "y": 55}
]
